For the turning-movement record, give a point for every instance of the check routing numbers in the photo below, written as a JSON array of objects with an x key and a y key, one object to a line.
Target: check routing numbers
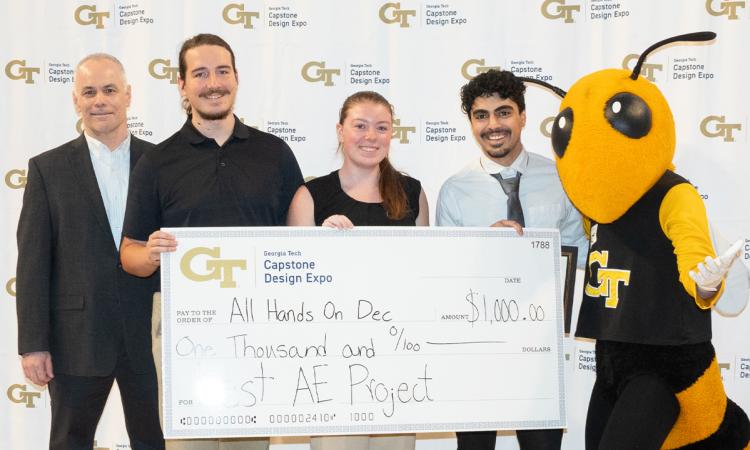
[{"x": 326, "y": 351}]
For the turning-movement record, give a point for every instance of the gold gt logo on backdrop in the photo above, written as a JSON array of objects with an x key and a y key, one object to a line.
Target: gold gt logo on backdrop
[
  {"x": 608, "y": 279},
  {"x": 17, "y": 393},
  {"x": 401, "y": 132},
  {"x": 474, "y": 67},
  {"x": 87, "y": 15},
  {"x": 725, "y": 367},
  {"x": 10, "y": 287},
  {"x": 726, "y": 8},
  {"x": 235, "y": 14},
  {"x": 16, "y": 179},
  {"x": 392, "y": 13},
  {"x": 215, "y": 268},
  {"x": 17, "y": 70},
  {"x": 161, "y": 70},
  {"x": 79, "y": 126},
  {"x": 714, "y": 126},
  {"x": 320, "y": 73},
  {"x": 647, "y": 70},
  {"x": 561, "y": 11}
]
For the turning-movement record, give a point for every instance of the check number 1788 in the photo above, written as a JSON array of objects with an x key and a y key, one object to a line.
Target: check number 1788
[{"x": 540, "y": 244}]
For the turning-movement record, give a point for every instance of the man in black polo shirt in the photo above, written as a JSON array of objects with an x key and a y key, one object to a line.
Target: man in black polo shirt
[{"x": 215, "y": 171}]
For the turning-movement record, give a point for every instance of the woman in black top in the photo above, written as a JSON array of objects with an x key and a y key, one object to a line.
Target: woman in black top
[{"x": 367, "y": 190}]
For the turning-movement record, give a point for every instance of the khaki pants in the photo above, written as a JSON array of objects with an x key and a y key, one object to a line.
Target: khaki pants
[
  {"x": 399, "y": 442},
  {"x": 192, "y": 444}
]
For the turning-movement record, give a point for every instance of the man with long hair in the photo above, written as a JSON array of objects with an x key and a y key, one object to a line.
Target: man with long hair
[{"x": 214, "y": 172}]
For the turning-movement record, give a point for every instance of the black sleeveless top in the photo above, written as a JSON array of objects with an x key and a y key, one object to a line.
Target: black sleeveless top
[{"x": 329, "y": 199}]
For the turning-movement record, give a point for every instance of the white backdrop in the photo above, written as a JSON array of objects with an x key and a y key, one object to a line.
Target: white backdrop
[{"x": 298, "y": 60}]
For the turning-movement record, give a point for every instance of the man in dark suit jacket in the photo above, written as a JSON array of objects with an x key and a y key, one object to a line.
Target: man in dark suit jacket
[{"x": 82, "y": 321}]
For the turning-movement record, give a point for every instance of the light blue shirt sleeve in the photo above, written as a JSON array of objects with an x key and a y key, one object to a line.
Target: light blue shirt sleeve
[{"x": 572, "y": 233}]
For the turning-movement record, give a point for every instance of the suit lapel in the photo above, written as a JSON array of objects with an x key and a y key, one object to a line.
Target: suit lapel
[
  {"x": 136, "y": 150},
  {"x": 80, "y": 161}
]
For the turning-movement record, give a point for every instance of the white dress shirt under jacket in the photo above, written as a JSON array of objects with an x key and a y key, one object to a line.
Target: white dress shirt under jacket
[{"x": 112, "y": 170}]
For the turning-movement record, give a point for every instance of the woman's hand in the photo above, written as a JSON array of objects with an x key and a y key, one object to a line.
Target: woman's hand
[{"x": 338, "y": 221}]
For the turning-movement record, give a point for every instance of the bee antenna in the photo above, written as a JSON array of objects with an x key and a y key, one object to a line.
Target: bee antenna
[
  {"x": 552, "y": 88},
  {"x": 690, "y": 37}
]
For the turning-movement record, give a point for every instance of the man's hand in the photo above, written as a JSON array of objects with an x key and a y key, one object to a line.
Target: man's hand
[
  {"x": 160, "y": 242},
  {"x": 709, "y": 276},
  {"x": 338, "y": 221},
  {"x": 37, "y": 366},
  {"x": 509, "y": 224}
]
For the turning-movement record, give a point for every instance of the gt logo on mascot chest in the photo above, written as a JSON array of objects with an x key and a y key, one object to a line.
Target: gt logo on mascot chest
[{"x": 608, "y": 279}]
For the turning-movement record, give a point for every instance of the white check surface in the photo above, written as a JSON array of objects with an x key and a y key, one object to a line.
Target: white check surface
[{"x": 284, "y": 331}]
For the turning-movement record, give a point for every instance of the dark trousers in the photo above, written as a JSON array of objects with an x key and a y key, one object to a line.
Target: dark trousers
[
  {"x": 647, "y": 404},
  {"x": 527, "y": 439},
  {"x": 78, "y": 403}
]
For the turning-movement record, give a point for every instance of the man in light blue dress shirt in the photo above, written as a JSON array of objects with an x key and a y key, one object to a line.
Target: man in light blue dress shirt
[
  {"x": 474, "y": 196},
  {"x": 82, "y": 321}
]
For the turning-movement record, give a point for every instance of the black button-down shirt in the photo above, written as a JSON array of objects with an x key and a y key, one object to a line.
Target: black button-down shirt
[{"x": 190, "y": 181}]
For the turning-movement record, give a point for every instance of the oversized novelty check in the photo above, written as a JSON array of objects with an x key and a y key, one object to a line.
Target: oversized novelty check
[{"x": 287, "y": 331}]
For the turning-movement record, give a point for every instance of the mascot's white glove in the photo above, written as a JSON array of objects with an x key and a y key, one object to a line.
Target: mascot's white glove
[{"x": 708, "y": 276}]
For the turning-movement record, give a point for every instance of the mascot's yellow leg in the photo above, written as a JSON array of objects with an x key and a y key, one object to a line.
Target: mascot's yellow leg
[{"x": 702, "y": 407}]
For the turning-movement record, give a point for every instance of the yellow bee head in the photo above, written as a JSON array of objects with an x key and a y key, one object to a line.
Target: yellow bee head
[{"x": 614, "y": 138}]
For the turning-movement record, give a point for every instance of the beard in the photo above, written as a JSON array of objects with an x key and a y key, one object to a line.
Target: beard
[
  {"x": 498, "y": 152},
  {"x": 503, "y": 149},
  {"x": 219, "y": 115}
]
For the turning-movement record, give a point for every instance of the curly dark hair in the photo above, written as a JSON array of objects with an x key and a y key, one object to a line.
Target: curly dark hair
[{"x": 501, "y": 82}]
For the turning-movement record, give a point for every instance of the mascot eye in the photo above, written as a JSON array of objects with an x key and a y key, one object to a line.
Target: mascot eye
[
  {"x": 562, "y": 128},
  {"x": 628, "y": 114}
]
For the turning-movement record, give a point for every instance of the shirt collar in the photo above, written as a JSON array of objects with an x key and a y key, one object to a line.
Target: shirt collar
[
  {"x": 518, "y": 166},
  {"x": 100, "y": 151},
  {"x": 194, "y": 136}
]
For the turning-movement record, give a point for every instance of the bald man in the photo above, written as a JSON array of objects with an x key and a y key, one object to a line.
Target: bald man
[{"x": 82, "y": 321}]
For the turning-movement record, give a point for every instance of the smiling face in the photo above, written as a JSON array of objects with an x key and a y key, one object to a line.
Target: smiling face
[
  {"x": 365, "y": 134},
  {"x": 101, "y": 97},
  {"x": 496, "y": 124},
  {"x": 210, "y": 83}
]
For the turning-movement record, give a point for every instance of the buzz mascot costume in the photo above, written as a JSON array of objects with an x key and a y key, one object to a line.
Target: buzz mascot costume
[{"x": 652, "y": 275}]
